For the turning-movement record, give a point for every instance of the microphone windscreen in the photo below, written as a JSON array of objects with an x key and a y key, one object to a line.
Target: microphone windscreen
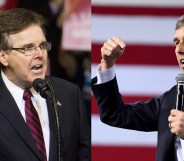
[
  {"x": 180, "y": 77},
  {"x": 37, "y": 83}
]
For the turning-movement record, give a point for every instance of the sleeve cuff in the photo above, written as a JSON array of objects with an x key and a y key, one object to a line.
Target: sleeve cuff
[{"x": 105, "y": 76}]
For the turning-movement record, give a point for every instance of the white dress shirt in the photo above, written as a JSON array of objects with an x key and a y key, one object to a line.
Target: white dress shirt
[
  {"x": 39, "y": 104},
  {"x": 108, "y": 75}
]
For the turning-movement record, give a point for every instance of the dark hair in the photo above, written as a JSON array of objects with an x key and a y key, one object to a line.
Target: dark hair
[
  {"x": 180, "y": 22},
  {"x": 15, "y": 20}
]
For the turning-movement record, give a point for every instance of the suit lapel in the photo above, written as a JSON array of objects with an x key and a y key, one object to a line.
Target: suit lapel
[
  {"x": 11, "y": 112},
  {"x": 53, "y": 135}
]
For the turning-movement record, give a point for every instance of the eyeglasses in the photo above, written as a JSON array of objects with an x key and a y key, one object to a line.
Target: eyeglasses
[{"x": 30, "y": 50}]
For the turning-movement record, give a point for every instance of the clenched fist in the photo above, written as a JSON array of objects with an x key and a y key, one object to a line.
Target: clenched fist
[{"x": 112, "y": 49}]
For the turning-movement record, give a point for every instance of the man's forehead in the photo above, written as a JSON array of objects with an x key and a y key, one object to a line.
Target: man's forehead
[{"x": 29, "y": 34}]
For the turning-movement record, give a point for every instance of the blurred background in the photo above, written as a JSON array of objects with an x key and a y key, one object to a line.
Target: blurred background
[
  {"x": 147, "y": 68},
  {"x": 69, "y": 31}
]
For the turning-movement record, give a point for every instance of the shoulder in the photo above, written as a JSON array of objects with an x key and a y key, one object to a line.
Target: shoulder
[
  {"x": 59, "y": 83},
  {"x": 169, "y": 96},
  {"x": 172, "y": 91}
]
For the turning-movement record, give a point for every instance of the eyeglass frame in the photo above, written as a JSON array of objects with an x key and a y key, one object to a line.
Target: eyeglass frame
[{"x": 33, "y": 48}]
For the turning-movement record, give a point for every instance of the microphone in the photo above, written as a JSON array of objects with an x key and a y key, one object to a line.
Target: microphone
[
  {"x": 42, "y": 88},
  {"x": 180, "y": 92},
  {"x": 45, "y": 89}
]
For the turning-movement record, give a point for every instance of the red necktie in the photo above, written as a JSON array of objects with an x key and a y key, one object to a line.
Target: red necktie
[{"x": 33, "y": 122}]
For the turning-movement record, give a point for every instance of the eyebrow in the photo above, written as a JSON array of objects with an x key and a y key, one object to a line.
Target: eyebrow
[
  {"x": 32, "y": 44},
  {"x": 175, "y": 39}
]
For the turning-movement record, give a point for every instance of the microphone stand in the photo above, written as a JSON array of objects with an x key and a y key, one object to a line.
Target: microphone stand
[
  {"x": 182, "y": 104},
  {"x": 54, "y": 104},
  {"x": 182, "y": 95}
]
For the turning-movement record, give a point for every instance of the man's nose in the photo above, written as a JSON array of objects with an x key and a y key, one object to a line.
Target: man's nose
[
  {"x": 180, "y": 49},
  {"x": 38, "y": 51}
]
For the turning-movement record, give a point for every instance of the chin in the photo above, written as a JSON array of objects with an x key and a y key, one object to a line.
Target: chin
[
  {"x": 35, "y": 77},
  {"x": 40, "y": 76},
  {"x": 182, "y": 69}
]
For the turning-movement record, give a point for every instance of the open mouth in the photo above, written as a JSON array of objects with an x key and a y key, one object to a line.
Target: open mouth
[{"x": 37, "y": 67}]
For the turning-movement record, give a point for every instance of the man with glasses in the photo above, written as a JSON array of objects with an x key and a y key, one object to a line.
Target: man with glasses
[{"x": 27, "y": 121}]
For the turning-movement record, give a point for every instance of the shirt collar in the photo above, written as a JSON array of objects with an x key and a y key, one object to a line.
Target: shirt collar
[{"x": 16, "y": 91}]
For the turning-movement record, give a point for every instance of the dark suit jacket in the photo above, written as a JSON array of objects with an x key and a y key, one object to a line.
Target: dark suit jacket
[
  {"x": 16, "y": 143},
  {"x": 143, "y": 116}
]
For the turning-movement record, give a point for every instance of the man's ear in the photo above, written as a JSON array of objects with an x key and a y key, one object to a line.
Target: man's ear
[{"x": 3, "y": 58}]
